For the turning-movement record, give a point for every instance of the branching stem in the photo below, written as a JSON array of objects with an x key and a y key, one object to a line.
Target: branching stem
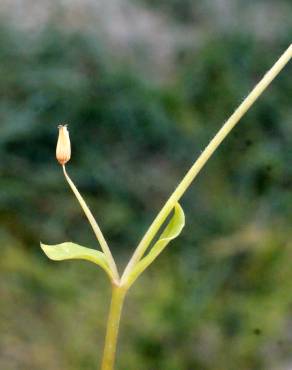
[{"x": 120, "y": 286}]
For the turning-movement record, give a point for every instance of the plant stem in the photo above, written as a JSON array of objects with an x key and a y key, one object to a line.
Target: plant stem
[
  {"x": 117, "y": 302},
  {"x": 203, "y": 158},
  {"x": 96, "y": 229}
]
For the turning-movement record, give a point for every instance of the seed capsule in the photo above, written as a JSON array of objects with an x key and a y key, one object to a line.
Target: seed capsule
[{"x": 63, "y": 150}]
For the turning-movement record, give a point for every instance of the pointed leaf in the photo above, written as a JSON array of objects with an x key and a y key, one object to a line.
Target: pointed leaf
[
  {"x": 68, "y": 250},
  {"x": 172, "y": 230}
]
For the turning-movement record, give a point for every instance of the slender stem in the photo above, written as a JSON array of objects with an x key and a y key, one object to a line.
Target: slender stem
[
  {"x": 203, "y": 158},
  {"x": 117, "y": 302},
  {"x": 94, "y": 225}
]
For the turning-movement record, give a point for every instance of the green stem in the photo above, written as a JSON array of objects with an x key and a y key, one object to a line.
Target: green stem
[
  {"x": 203, "y": 158},
  {"x": 117, "y": 302},
  {"x": 96, "y": 229}
]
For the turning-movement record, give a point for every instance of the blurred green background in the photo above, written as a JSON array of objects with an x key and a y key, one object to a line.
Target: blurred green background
[{"x": 144, "y": 85}]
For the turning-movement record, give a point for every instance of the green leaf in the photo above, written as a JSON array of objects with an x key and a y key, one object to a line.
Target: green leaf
[
  {"x": 172, "y": 230},
  {"x": 68, "y": 250}
]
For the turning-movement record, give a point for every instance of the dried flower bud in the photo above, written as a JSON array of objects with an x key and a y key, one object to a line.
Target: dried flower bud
[{"x": 63, "y": 150}]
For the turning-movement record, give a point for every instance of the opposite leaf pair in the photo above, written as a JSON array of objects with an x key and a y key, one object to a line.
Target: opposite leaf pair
[{"x": 68, "y": 250}]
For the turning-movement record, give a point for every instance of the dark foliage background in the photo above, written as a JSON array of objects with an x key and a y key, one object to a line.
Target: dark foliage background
[{"x": 139, "y": 113}]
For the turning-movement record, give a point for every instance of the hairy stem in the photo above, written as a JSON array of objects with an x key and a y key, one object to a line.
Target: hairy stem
[
  {"x": 203, "y": 158},
  {"x": 96, "y": 229},
  {"x": 117, "y": 302}
]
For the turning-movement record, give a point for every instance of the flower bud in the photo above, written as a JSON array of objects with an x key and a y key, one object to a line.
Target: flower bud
[{"x": 63, "y": 150}]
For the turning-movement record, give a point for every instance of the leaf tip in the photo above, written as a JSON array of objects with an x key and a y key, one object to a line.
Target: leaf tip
[{"x": 45, "y": 248}]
